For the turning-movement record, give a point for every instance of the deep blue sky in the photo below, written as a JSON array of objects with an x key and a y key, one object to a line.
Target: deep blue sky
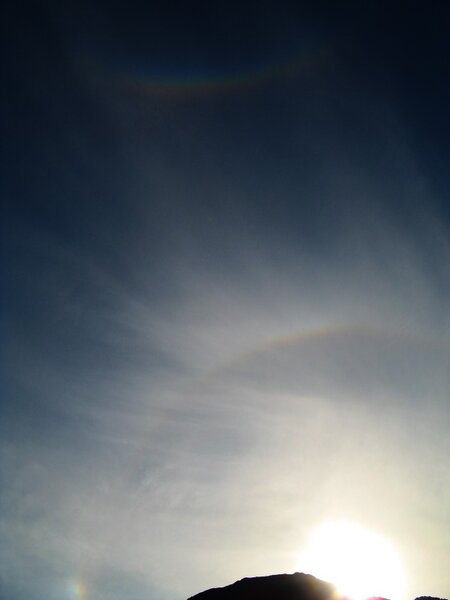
[{"x": 219, "y": 220}]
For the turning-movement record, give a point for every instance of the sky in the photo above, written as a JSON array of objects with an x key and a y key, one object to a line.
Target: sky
[{"x": 225, "y": 291}]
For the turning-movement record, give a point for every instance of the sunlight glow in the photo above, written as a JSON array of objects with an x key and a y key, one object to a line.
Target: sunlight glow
[{"x": 358, "y": 562}]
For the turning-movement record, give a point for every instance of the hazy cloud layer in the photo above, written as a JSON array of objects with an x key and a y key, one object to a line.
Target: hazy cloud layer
[{"x": 226, "y": 318}]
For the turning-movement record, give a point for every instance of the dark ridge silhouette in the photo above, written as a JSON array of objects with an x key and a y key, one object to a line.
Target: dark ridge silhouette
[
  {"x": 273, "y": 587},
  {"x": 298, "y": 586}
]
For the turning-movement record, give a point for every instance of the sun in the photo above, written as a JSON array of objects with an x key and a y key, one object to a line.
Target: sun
[{"x": 359, "y": 562}]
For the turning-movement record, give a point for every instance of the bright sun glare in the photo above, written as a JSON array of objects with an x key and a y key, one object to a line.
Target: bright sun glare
[{"x": 359, "y": 562}]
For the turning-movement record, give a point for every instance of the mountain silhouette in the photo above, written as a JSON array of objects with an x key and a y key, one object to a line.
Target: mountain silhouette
[
  {"x": 429, "y": 598},
  {"x": 298, "y": 586}
]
